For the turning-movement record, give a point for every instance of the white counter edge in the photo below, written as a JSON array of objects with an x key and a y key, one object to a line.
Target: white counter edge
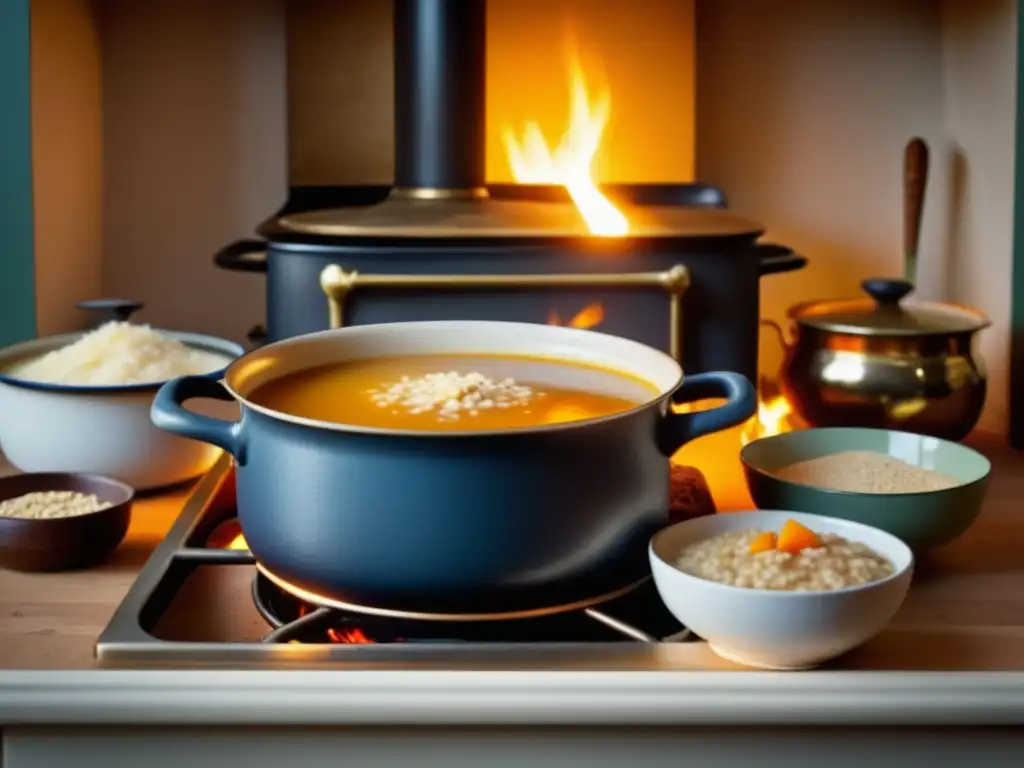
[{"x": 408, "y": 697}]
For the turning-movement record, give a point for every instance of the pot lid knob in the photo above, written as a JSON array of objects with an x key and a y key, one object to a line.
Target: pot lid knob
[
  {"x": 105, "y": 310},
  {"x": 887, "y": 293}
]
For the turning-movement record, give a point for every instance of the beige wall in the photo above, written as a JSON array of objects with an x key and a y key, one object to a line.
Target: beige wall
[
  {"x": 980, "y": 46},
  {"x": 803, "y": 112},
  {"x": 194, "y": 153},
  {"x": 67, "y": 161}
]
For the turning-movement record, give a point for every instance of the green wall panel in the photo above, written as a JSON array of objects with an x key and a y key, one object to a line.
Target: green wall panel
[
  {"x": 1017, "y": 316},
  {"x": 17, "y": 278}
]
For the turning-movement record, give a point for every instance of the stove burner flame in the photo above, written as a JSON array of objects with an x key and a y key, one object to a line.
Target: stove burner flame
[
  {"x": 341, "y": 636},
  {"x": 570, "y": 162},
  {"x": 228, "y": 535},
  {"x": 354, "y": 636}
]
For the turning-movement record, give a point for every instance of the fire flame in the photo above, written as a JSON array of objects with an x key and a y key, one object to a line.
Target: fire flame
[
  {"x": 238, "y": 542},
  {"x": 354, "y": 636},
  {"x": 348, "y": 637},
  {"x": 570, "y": 163},
  {"x": 772, "y": 418},
  {"x": 590, "y": 316},
  {"x": 774, "y": 413}
]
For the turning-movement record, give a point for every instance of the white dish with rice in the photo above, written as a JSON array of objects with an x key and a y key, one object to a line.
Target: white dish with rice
[
  {"x": 80, "y": 403},
  {"x": 776, "y": 609}
]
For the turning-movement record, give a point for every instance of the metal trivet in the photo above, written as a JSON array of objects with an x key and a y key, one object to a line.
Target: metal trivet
[
  {"x": 293, "y": 619},
  {"x": 391, "y": 613}
]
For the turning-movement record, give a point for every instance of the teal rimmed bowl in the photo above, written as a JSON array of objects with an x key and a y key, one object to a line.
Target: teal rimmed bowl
[{"x": 922, "y": 520}]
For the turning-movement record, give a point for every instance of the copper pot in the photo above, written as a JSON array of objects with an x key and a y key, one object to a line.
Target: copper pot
[{"x": 884, "y": 363}]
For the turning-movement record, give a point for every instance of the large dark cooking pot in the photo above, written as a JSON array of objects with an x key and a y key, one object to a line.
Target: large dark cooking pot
[
  {"x": 721, "y": 307},
  {"x": 454, "y": 522}
]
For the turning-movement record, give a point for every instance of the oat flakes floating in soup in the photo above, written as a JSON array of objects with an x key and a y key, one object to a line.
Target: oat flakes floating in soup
[
  {"x": 795, "y": 559},
  {"x": 865, "y": 472},
  {"x": 453, "y": 392}
]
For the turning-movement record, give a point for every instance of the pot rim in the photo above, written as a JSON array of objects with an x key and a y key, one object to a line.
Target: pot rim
[
  {"x": 38, "y": 347},
  {"x": 235, "y": 370},
  {"x": 799, "y": 314}
]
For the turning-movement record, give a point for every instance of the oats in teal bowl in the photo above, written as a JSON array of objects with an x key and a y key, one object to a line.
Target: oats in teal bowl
[{"x": 925, "y": 490}]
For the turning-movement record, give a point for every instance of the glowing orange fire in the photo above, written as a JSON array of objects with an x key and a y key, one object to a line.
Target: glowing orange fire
[
  {"x": 348, "y": 637},
  {"x": 570, "y": 163},
  {"x": 772, "y": 418},
  {"x": 354, "y": 636},
  {"x": 238, "y": 542},
  {"x": 588, "y": 317}
]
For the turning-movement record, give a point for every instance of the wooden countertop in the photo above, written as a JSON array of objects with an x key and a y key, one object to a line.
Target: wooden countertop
[
  {"x": 965, "y": 610},
  {"x": 52, "y": 620}
]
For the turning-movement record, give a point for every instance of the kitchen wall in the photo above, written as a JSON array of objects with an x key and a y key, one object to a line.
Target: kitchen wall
[
  {"x": 980, "y": 111},
  {"x": 802, "y": 113},
  {"x": 17, "y": 273},
  {"x": 194, "y": 152},
  {"x": 67, "y": 161}
]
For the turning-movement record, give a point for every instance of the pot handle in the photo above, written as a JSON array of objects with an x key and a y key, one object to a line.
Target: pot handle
[
  {"x": 243, "y": 256},
  {"x": 773, "y": 259},
  {"x": 678, "y": 429},
  {"x": 168, "y": 413},
  {"x": 777, "y": 330},
  {"x": 105, "y": 310}
]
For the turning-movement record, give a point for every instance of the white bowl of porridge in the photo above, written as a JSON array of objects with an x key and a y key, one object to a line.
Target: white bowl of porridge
[{"x": 780, "y": 590}]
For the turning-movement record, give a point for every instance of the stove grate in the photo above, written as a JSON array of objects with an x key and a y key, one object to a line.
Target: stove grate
[
  {"x": 294, "y": 621},
  {"x": 196, "y": 561}
]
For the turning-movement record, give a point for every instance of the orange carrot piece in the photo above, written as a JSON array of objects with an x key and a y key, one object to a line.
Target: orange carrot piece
[
  {"x": 763, "y": 543},
  {"x": 795, "y": 537}
]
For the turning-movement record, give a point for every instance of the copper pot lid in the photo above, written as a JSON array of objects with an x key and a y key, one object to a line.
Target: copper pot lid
[
  {"x": 411, "y": 217},
  {"x": 885, "y": 313}
]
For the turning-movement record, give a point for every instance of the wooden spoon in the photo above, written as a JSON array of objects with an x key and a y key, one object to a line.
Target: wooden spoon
[{"x": 915, "y": 179}]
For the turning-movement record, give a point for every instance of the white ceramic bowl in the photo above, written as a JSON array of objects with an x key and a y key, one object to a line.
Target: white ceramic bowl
[
  {"x": 100, "y": 430},
  {"x": 775, "y": 629}
]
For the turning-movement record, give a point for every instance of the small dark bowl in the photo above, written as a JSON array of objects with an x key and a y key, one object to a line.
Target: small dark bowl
[{"x": 63, "y": 543}]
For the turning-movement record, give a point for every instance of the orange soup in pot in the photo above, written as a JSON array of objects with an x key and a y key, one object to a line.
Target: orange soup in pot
[{"x": 453, "y": 392}]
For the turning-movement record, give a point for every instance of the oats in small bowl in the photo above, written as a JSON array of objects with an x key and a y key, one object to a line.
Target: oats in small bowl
[
  {"x": 56, "y": 521},
  {"x": 780, "y": 590}
]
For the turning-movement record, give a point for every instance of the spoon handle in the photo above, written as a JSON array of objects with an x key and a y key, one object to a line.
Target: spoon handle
[{"x": 915, "y": 179}]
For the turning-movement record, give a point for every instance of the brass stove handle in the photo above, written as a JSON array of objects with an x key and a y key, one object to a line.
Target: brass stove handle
[{"x": 337, "y": 283}]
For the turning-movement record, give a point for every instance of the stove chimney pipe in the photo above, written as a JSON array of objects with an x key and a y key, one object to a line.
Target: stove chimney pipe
[{"x": 440, "y": 92}]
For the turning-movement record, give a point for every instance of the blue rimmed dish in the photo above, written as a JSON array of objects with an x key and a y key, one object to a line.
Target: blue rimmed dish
[{"x": 98, "y": 430}]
